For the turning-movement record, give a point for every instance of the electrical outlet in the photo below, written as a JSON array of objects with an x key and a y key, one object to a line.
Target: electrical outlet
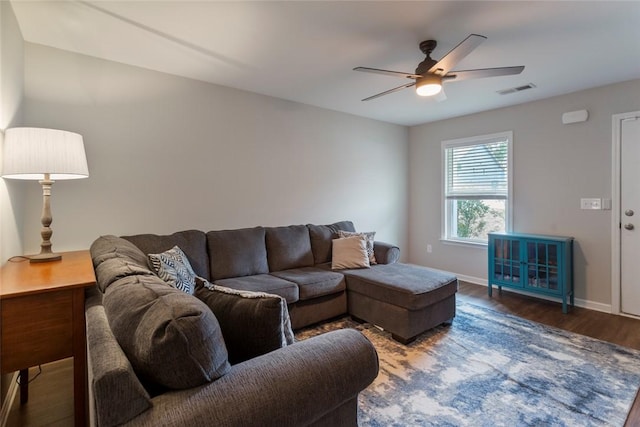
[
  {"x": 429, "y": 249},
  {"x": 591, "y": 204}
]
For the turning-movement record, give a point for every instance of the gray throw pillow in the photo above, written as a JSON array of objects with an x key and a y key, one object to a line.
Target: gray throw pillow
[
  {"x": 252, "y": 323},
  {"x": 172, "y": 339},
  {"x": 173, "y": 267}
]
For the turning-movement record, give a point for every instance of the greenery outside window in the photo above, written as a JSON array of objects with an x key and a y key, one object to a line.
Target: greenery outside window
[{"x": 477, "y": 187}]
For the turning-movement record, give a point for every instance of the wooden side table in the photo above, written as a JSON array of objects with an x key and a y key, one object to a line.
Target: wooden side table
[{"x": 42, "y": 313}]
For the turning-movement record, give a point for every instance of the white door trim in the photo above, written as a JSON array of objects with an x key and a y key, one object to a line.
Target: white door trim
[{"x": 616, "y": 125}]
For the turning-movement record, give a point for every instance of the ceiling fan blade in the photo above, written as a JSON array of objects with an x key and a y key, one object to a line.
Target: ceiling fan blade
[
  {"x": 456, "y": 54},
  {"x": 387, "y": 72},
  {"x": 387, "y": 92},
  {"x": 482, "y": 72}
]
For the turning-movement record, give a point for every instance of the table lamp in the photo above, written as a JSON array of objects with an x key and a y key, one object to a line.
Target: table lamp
[{"x": 46, "y": 155}]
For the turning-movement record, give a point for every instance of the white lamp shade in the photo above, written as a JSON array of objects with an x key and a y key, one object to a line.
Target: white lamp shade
[
  {"x": 30, "y": 153},
  {"x": 429, "y": 85}
]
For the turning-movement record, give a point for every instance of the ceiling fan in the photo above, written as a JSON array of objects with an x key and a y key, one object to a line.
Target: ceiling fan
[{"x": 430, "y": 74}]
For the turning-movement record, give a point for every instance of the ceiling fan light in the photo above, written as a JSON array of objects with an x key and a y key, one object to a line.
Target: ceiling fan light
[{"x": 429, "y": 85}]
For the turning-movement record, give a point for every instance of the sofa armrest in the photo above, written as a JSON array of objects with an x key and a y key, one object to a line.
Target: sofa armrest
[
  {"x": 296, "y": 385},
  {"x": 116, "y": 394},
  {"x": 386, "y": 253}
]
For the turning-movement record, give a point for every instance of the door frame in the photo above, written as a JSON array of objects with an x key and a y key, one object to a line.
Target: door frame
[{"x": 616, "y": 142}]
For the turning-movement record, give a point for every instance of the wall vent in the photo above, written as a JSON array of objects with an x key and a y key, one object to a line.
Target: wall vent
[{"x": 516, "y": 89}]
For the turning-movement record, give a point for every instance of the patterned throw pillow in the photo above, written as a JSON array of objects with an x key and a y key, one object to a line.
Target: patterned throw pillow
[
  {"x": 173, "y": 267},
  {"x": 369, "y": 235}
]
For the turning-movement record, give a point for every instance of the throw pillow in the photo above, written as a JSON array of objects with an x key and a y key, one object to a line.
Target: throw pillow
[
  {"x": 369, "y": 235},
  {"x": 350, "y": 252},
  {"x": 172, "y": 339},
  {"x": 252, "y": 323},
  {"x": 173, "y": 267}
]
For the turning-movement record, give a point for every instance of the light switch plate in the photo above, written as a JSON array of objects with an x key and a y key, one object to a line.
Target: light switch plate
[{"x": 591, "y": 204}]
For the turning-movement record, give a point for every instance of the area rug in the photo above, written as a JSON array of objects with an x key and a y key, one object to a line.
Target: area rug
[{"x": 494, "y": 369}]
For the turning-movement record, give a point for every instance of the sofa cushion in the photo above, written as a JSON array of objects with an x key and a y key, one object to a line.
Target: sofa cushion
[
  {"x": 172, "y": 339},
  {"x": 321, "y": 237},
  {"x": 313, "y": 282},
  {"x": 370, "y": 239},
  {"x": 236, "y": 253},
  {"x": 173, "y": 267},
  {"x": 115, "y": 258},
  {"x": 263, "y": 283},
  {"x": 252, "y": 323},
  {"x": 192, "y": 242},
  {"x": 288, "y": 247},
  {"x": 350, "y": 252}
]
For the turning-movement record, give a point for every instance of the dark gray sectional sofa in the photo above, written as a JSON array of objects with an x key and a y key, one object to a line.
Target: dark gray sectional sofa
[
  {"x": 256, "y": 377},
  {"x": 291, "y": 261}
]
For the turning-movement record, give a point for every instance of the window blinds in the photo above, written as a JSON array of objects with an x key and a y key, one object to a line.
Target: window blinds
[{"x": 477, "y": 171}]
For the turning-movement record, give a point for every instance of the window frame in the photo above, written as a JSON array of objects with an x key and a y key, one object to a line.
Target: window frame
[{"x": 446, "y": 211}]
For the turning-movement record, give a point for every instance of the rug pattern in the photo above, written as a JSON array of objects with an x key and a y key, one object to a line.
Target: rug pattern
[{"x": 494, "y": 369}]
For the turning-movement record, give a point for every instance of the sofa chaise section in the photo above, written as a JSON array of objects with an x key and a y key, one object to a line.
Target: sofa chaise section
[{"x": 404, "y": 299}]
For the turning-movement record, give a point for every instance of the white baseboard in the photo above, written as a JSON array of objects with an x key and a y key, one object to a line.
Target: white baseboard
[
  {"x": 8, "y": 402},
  {"x": 470, "y": 279},
  {"x": 591, "y": 305}
]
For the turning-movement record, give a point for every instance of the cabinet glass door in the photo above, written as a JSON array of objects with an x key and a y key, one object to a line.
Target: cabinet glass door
[
  {"x": 506, "y": 261},
  {"x": 542, "y": 266}
]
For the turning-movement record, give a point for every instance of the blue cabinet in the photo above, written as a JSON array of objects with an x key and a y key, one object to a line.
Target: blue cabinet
[{"x": 533, "y": 263}]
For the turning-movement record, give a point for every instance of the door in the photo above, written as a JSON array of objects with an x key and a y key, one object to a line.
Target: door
[{"x": 630, "y": 216}]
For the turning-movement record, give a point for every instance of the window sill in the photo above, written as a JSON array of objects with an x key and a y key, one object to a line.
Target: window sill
[{"x": 479, "y": 245}]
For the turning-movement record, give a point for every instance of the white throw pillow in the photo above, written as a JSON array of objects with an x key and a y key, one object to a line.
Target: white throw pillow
[{"x": 350, "y": 252}]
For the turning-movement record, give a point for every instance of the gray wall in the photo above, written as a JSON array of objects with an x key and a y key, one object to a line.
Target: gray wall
[
  {"x": 167, "y": 153},
  {"x": 554, "y": 165},
  {"x": 11, "y": 89},
  {"x": 11, "y": 196}
]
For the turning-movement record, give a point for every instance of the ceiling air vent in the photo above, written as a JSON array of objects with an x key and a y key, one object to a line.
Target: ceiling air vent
[{"x": 516, "y": 89}]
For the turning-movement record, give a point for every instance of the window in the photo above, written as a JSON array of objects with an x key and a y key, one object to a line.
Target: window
[{"x": 477, "y": 187}]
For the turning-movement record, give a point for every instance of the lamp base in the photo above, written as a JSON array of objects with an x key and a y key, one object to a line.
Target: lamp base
[{"x": 45, "y": 257}]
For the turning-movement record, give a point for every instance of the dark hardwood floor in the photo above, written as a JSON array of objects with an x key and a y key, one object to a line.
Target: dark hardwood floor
[
  {"x": 51, "y": 403},
  {"x": 50, "y": 398}
]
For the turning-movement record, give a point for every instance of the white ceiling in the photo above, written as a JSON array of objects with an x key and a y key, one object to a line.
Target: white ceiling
[{"x": 305, "y": 51}]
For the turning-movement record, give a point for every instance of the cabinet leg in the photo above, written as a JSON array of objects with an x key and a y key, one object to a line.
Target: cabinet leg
[
  {"x": 24, "y": 386},
  {"x": 490, "y": 290}
]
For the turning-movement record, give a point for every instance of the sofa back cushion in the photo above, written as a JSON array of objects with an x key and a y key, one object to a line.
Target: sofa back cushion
[
  {"x": 252, "y": 323},
  {"x": 288, "y": 247},
  {"x": 321, "y": 239},
  {"x": 192, "y": 242},
  {"x": 237, "y": 253},
  {"x": 115, "y": 258},
  {"x": 172, "y": 339}
]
